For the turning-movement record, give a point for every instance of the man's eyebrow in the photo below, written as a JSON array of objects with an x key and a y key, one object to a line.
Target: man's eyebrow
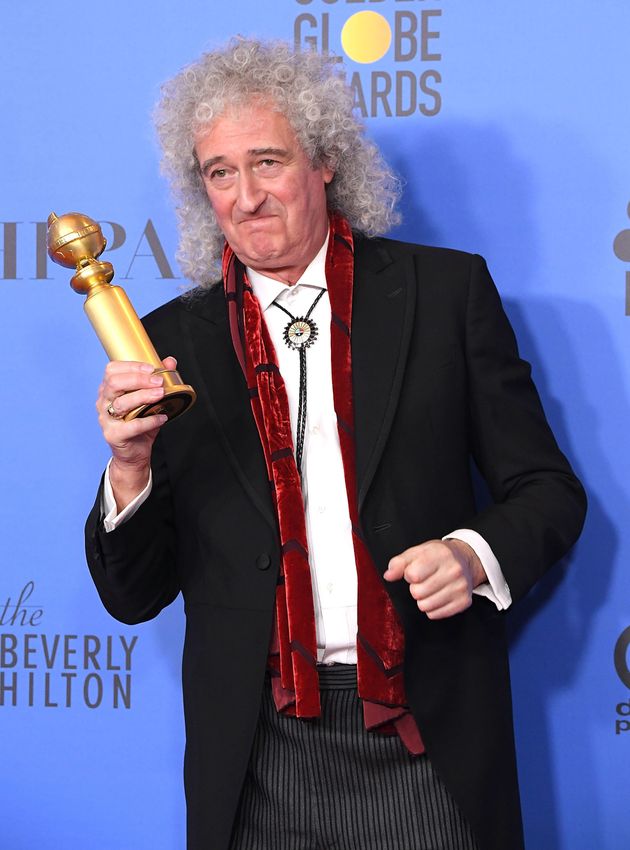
[
  {"x": 213, "y": 160},
  {"x": 208, "y": 163},
  {"x": 268, "y": 152}
]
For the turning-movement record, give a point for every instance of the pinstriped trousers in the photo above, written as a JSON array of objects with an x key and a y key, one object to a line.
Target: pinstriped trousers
[{"x": 328, "y": 784}]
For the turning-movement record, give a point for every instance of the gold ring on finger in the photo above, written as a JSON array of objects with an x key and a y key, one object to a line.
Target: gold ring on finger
[{"x": 112, "y": 411}]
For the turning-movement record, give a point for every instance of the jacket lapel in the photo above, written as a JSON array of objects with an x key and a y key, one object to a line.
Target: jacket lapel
[
  {"x": 222, "y": 389},
  {"x": 383, "y": 312}
]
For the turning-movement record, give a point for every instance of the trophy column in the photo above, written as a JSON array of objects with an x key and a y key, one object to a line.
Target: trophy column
[{"x": 75, "y": 241}]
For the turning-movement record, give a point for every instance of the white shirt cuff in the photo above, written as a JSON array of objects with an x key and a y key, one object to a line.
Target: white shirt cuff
[
  {"x": 111, "y": 519},
  {"x": 496, "y": 588}
]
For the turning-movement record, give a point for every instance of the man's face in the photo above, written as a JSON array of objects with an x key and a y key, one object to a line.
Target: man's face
[{"x": 269, "y": 201}]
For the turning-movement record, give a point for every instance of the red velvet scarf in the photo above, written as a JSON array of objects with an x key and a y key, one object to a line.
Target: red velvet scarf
[{"x": 380, "y": 639}]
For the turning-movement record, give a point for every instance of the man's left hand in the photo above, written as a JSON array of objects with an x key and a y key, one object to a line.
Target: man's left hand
[{"x": 441, "y": 575}]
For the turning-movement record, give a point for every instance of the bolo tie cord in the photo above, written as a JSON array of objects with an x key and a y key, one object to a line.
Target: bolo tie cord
[{"x": 299, "y": 334}]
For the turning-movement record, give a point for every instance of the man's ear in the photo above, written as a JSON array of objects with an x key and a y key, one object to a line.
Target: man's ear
[{"x": 327, "y": 173}]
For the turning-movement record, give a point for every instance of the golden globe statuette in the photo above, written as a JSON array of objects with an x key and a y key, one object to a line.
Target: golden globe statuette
[{"x": 76, "y": 241}]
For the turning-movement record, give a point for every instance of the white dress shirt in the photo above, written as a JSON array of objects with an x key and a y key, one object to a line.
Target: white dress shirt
[{"x": 328, "y": 527}]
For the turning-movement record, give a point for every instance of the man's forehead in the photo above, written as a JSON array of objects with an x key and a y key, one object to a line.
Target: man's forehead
[{"x": 256, "y": 129}]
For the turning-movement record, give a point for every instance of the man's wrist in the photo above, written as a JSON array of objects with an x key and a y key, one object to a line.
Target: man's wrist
[
  {"x": 495, "y": 588},
  {"x": 475, "y": 567},
  {"x": 127, "y": 481}
]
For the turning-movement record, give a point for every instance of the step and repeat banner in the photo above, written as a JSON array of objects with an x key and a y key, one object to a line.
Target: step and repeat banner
[{"x": 509, "y": 124}]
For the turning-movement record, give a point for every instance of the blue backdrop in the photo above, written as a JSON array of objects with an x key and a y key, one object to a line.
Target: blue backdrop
[{"x": 510, "y": 126}]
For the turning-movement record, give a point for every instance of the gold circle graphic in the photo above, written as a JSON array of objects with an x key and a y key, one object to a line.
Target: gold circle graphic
[{"x": 366, "y": 37}]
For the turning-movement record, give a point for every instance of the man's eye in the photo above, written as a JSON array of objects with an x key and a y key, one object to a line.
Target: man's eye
[{"x": 218, "y": 173}]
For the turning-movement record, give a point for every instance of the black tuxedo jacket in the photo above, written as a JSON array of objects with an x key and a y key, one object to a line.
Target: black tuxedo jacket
[{"x": 437, "y": 381}]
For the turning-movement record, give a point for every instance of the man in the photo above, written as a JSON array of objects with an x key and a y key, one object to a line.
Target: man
[{"x": 345, "y": 669}]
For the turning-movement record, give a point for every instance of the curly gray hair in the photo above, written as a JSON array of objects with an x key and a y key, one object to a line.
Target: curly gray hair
[{"x": 310, "y": 91}]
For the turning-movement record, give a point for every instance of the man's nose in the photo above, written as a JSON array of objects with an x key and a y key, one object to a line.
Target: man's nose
[{"x": 251, "y": 194}]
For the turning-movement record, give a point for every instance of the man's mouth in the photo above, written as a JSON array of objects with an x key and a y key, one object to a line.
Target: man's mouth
[{"x": 256, "y": 219}]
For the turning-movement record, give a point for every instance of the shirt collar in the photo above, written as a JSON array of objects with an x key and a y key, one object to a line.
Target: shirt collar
[{"x": 266, "y": 289}]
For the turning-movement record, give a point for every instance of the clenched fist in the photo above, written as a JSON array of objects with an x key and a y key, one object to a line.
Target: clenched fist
[{"x": 441, "y": 575}]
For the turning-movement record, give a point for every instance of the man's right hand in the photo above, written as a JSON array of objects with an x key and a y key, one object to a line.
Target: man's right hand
[{"x": 125, "y": 386}]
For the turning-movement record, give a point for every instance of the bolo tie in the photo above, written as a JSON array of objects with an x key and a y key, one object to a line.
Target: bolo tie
[{"x": 299, "y": 334}]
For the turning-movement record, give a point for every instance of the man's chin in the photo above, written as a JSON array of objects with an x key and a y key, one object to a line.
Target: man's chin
[{"x": 265, "y": 257}]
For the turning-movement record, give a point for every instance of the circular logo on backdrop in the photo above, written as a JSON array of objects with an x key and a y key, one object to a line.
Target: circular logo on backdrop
[
  {"x": 366, "y": 37},
  {"x": 621, "y": 245},
  {"x": 621, "y": 657},
  {"x": 622, "y": 720}
]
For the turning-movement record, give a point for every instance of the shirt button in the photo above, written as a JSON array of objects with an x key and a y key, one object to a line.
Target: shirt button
[
  {"x": 263, "y": 561},
  {"x": 329, "y": 587},
  {"x": 315, "y": 429},
  {"x": 321, "y": 509}
]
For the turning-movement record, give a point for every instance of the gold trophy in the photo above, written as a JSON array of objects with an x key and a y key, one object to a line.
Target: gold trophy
[{"x": 75, "y": 241}]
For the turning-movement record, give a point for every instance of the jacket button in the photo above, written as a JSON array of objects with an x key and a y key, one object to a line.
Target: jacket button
[{"x": 263, "y": 561}]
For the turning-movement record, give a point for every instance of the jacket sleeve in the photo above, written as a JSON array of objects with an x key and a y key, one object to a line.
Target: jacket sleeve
[
  {"x": 133, "y": 567},
  {"x": 539, "y": 505}
]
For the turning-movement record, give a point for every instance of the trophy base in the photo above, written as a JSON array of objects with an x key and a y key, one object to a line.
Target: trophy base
[{"x": 176, "y": 400}]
